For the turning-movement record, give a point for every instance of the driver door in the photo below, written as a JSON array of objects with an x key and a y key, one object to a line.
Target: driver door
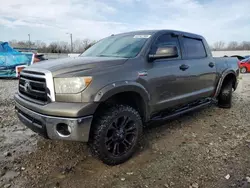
[{"x": 167, "y": 77}]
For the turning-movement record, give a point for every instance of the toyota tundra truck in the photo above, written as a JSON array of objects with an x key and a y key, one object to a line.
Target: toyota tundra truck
[{"x": 106, "y": 95}]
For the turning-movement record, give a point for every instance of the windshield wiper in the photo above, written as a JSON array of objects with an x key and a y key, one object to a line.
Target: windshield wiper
[
  {"x": 103, "y": 55},
  {"x": 107, "y": 55}
]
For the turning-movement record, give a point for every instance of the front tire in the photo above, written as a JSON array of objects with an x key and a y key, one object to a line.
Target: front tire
[
  {"x": 116, "y": 134},
  {"x": 225, "y": 96}
]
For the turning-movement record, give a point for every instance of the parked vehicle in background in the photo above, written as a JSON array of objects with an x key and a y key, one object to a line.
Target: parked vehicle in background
[
  {"x": 39, "y": 57},
  {"x": 106, "y": 95},
  {"x": 73, "y": 55},
  {"x": 13, "y": 61},
  {"x": 244, "y": 65},
  {"x": 239, "y": 57}
]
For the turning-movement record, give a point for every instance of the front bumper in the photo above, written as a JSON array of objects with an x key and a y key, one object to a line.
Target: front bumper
[{"x": 46, "y": 125}]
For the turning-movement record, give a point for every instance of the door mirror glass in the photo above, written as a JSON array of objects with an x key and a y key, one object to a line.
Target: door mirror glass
[{"x": 162, "y": 52}]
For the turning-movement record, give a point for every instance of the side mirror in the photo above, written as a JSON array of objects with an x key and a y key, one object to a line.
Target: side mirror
[{"x": 164, "y": 52}]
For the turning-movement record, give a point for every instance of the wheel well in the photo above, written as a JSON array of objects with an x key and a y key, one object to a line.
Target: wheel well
[
  {"x": 130, "y": 98},
  {"x": 228, "y": 78}
]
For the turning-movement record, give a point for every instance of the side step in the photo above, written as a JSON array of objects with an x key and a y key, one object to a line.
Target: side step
[{"x": 181, "y": 111}]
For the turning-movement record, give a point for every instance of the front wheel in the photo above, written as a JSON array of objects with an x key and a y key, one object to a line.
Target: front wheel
[
  {"x": 243, "y": 70},
  {"x": 116, "y": 134}
]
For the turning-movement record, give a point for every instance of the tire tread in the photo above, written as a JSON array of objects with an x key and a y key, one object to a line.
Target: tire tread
[
  {"x": 225, "y": 96},
  {"x": 101, "y": 123}
]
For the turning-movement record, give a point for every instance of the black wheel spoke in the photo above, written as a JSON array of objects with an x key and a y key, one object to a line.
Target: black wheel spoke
[
  {"x": 116, "y": 149},
  {"x": 114, "y": 125},
  {"x": 126, "y": 143},
  {"x": 109, "y": 140},
  {"x": 131, "y": 133},
  {"x": 130, "y": 130},
  {"x": 124, "y": 122}
]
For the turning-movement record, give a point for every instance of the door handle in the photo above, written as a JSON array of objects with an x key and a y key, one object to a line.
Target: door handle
[
  {"x": 184, "y": 67},
  {"x": 211, "y": 64}
]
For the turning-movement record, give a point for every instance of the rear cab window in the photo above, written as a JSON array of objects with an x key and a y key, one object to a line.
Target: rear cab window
[{"x": 193, "y": 48}]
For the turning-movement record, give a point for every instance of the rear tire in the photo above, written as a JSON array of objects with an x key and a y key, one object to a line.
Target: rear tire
[
  {"x": 116, "y": 134},
  {"x": 225, "y": 96},
  {"x": 243, "y": 70}
]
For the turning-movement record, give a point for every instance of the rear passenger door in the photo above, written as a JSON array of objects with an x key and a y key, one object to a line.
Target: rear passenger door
[{"x": 202, "y": 70}]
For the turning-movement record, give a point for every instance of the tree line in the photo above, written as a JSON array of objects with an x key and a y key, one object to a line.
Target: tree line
[
  {"x": 233, "y": 45},
  {"x": 79, "y": 46}
]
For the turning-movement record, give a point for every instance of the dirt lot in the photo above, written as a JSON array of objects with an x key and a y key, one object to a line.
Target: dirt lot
[{"x": 208, "y": 148}]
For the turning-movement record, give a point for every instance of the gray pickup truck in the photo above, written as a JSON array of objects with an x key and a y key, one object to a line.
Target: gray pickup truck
[{"x": 106, "y": 95}]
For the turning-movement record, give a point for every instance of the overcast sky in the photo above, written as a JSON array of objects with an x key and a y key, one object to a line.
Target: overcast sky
[{"x": 50, "y": 20}]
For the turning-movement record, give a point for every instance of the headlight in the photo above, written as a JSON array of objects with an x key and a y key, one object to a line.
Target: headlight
[{"x": 71, "y": 85}]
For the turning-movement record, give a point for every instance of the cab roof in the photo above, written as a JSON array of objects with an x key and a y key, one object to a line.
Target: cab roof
[{"x": 153, "y": 32}]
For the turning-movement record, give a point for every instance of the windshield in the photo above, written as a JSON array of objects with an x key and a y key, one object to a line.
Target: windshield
[{"x": 126, "y": 46}]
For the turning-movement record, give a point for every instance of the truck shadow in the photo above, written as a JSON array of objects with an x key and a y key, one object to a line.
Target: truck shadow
[
  {"x": 162, "y": 129},
  {"x": 63, "y": 160},
  {"x": 8, "y": 78}
]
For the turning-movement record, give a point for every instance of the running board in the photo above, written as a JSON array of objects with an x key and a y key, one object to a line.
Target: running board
[{"x": 178, "y": 113}]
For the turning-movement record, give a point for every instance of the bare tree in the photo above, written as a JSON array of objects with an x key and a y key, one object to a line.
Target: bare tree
[
  {"x": 13, "y": 42},
  {"x": 54, "y": 47},
  {"x": 232, "y": 45},
  {"x": 81, "y": 45},
  {"x": 21, "y": 44},
  {"x": 41, "y": 46},
  {"x": 220, "y": 45},
  {"x": 78, "y": 45},
  {"x": 245, "y": 45},
  {"x": 89, "y": 45}
]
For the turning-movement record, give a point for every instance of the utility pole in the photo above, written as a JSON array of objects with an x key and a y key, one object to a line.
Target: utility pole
[
  {"x": 29, "y": 42},
  {"x": 71, "y": 41}
]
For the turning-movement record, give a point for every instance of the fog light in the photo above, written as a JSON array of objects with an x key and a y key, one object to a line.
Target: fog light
[{"x": 63, "y": 129}]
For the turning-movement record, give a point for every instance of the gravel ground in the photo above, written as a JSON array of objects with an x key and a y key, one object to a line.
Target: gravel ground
[{"x": 207, "y": 148}]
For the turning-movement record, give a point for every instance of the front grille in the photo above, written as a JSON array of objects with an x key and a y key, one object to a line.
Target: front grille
[{"x": 32, "y": 86}]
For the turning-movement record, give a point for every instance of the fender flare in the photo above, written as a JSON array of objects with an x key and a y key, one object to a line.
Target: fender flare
[
  {"x": 124, "y": 86},
  {"x": 222, "y": 78},
  {"x": 119, "y": 87}
]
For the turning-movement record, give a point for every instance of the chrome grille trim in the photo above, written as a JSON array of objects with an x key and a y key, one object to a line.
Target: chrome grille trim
[{"x": 47, "y": 75}]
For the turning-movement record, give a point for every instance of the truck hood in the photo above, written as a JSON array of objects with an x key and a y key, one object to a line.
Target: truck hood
[{"x": 76, "y": 64}]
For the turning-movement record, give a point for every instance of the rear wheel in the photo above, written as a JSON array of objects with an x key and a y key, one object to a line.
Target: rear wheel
[
  {"x": 116, "y": 134},
  {"x": 225, "y": 96},
  {"x": 243, "y": 70}
]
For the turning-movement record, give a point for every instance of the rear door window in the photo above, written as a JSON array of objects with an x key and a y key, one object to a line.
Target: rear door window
[{"x": 194, "y": 48}]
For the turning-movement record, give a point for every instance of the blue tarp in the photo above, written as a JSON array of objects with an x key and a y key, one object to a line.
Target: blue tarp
[{"x": 10, "y": 59}]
